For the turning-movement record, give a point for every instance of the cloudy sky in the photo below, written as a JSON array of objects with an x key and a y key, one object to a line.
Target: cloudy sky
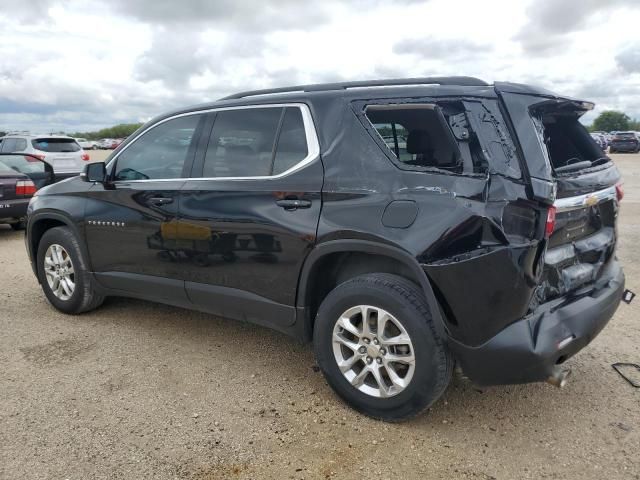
[{"x": 84, "y": 64}]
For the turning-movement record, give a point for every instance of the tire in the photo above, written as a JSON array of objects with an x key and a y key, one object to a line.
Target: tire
[
  {"x": 19, "y": 226},
  {"x": 95, "y": 147},
  {"x": 405, "y": 302},
  {"x": 84, "y": 296}
]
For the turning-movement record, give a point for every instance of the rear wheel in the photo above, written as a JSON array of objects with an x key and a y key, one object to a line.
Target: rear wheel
[
  {"x": 378, "y": 347},
  {"x": 63, "y": 273}
]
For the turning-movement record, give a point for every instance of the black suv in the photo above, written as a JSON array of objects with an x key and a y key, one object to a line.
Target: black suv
[{"x": 403, "y": 226}]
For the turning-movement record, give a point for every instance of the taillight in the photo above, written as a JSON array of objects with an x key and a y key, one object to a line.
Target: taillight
[
  {"x": 551, "y": 222},
  {"x": 619, "y": 191},
  {"x": 25, "y": 188},
  {"x": 85, "y": 157},
  {"x": 29, "y": 158}
]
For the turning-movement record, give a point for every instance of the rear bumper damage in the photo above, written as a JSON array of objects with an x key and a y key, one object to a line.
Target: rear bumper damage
[{"x": 531, "y": 349}]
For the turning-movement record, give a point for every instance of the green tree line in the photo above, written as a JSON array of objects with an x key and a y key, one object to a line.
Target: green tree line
[
  {"x": 118, "y": 131},
  {"x": 612, "y": 120}
]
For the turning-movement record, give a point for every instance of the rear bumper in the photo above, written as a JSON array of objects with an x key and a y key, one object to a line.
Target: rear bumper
[
  {"x": 529, "y": 349},
  {"x": 13, "y": 210}
]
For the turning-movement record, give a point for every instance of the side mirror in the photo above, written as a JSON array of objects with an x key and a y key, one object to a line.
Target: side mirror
[{"x": 94, "y": 172}]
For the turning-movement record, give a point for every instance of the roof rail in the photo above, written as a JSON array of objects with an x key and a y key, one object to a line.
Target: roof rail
[{"x": 321, "y": 87}]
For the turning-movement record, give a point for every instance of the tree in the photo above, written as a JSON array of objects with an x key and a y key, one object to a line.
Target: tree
[
  {"x": 611, "y": 120},
  {"x": 118, "y": 131}
]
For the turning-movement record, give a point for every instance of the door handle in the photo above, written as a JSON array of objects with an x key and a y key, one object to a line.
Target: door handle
[
  {"x": 161, "y": 200},
  {"x": 293, "y": 203}
]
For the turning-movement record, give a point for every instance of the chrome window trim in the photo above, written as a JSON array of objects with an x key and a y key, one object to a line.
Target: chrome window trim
[
  {"x": 586, "y": 200},
  {"x": 313, "y": 144}
]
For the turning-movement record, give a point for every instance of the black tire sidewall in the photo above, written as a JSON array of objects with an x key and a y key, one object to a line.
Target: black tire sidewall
[
  {"x": 63, "y": 237},
  {"x": 430, "y": 365}
]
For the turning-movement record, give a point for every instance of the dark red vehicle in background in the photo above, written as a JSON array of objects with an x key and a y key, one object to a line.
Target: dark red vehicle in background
[{"x": 20, "y": 177}]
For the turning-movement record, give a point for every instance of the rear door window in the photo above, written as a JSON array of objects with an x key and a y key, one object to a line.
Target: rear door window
[
  {"x": 242, "y": 143},
  {"x": 292, "y": 142},
  {"x": 56, "y": 145}
]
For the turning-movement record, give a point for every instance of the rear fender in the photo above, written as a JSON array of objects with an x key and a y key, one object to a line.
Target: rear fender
[{"x": 305, "y": 324}]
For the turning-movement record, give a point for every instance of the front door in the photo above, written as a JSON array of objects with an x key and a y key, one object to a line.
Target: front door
[
  {"x": 130, "y": 220},
  {"x": 250, "y": 216}
]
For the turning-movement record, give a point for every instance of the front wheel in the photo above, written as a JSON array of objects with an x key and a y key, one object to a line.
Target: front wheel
[
  {"x": 63, "y": 273},
  {"x": 379, "y": 349}
]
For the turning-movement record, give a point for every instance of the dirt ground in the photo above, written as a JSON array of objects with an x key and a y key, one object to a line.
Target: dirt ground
[
  {"x": 137, "y": 390},
  {"x": 98, "y": 155}
]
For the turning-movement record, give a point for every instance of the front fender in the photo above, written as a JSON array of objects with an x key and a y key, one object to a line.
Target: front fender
[{"x": 47, "y": 212}]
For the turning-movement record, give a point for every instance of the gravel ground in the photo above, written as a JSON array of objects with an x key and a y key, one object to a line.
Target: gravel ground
[{"x": 138, "y": 390}]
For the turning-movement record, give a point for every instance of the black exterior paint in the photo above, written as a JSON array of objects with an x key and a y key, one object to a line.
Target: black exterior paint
[{"x": 474, "y": 242}]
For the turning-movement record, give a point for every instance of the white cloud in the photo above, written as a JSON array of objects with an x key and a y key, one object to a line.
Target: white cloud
[{"x": 84, "y": 64}]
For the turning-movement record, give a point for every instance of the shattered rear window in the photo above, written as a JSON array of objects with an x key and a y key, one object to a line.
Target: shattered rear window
[
  {"x": 456, "y": 136},
  {"x": 418, "y": 136}
]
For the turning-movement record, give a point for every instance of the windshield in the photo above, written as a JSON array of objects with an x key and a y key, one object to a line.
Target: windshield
[
  {"x": 56, "y": 145},
  {"x": 625, "y": 136}
]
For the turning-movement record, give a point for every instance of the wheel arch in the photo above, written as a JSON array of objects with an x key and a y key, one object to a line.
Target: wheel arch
[
  {"x": 40, "y": 222},
  {"x": 335, "y": 261}
]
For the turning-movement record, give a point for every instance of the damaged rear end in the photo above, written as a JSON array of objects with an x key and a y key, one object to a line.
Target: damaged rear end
[{"x": 565, "y": 261}]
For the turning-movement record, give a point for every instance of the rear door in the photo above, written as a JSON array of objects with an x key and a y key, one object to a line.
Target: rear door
[
  {"x": 250, "y": 214},
  {"x": 129, "y": 220}
]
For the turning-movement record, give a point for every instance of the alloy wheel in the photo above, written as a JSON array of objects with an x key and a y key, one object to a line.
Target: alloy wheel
[
  {"x": 373, "y": 351},
  {"x": 59, "y": 271}
]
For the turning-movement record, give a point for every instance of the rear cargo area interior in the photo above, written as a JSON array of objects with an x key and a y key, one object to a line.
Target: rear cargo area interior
[{"x": 568, "y": 142}]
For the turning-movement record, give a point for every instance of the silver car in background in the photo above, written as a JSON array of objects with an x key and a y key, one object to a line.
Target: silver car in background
[{"x": 61, "y": 152}]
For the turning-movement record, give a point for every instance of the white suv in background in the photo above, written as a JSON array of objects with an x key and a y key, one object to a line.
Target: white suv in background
[{"x": 61, "y": 152}]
